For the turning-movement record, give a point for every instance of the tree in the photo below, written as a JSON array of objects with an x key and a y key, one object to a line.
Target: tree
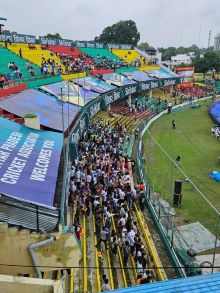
[
  {"x": 56, "y": 35},
  {"x": 167, "y": 53},
  {"x": 145, "y": 46},
  {"x": 211, "y": 60},
  {"x": 124, "y": 31}
]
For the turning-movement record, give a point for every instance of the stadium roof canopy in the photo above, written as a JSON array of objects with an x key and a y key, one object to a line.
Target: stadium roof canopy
[{"x": 198, "y": 284}]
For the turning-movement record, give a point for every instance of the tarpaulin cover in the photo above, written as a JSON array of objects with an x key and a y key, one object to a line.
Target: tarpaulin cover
[
  {"x": 29, "y": 162},
  {"x": 139, "y": 75},
  {"x": 215, "y": 111},
  {"x": 215, "y": 175},
  {"x": 48, "y": 108},
  {"x": 117, "y": 79},
  {"x": 70, "y": 92},
  {"x": 161, "y": 73},
  {"x": 94, "y": 84}
]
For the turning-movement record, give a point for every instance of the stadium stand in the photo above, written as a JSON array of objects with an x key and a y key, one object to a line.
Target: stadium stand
[
  {"x": 96, "y": 72},
  {"x": 97, "y": 53},
  {"x": 37, "y": 55},
  {"x": 125, "y": 69},
  {"x": 65, "y": 50},
  {"x": 131, "y": 57},
  {"x": 7, "y": 57}
]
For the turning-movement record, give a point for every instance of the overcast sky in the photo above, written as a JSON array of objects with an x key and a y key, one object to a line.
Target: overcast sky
[{"x": 160, "y": 22}]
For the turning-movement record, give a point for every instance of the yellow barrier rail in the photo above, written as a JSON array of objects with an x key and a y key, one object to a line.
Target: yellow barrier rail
[
  {"x": 96, "y": 257},
  {"x": 120, "y": 259},
  {"x": 85, "y": 277},
  {"x": 72, "y": 281},
  {"x": 109, "y": 265},
  {"x": 161, "y": 275}
]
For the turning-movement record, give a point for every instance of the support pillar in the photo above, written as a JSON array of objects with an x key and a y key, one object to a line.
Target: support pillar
[
  {"x": 129, "y": 100},
  {"x": 171, "y": 89}
]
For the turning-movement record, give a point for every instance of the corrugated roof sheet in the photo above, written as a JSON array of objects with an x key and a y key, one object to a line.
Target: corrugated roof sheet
[{"x": 197, "y": 284}]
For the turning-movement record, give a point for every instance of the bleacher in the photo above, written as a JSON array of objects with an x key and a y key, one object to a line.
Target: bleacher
[
  {"x": 154, "y": 104},
  {"x": 120, "y": 108},
  {"x": 7, "y": 56},
  {"x": 97, "y": 53},
  {"x": 69, "y": 51},
  {"x": 127, "y": 55},
  {"x": 34, "y": 55},
  {"x": 125, "y": 69}
]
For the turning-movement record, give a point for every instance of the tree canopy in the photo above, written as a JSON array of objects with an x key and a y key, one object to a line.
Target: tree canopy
[
  {"x": 56, "y": 35},
  {"x": 210, "y": 60},
  {"x": 145, "y": 46},
  {"x": 124, "y": 32}
]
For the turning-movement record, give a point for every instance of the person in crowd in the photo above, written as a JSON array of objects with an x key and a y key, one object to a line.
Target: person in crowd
[
  {"x": 2, "y": 81},
  {"x": 178, "y": 160},
  {"x": 105, "y": 285}
]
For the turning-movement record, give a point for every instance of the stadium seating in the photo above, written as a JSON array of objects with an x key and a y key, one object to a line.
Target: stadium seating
[
  {"x": 35, "y": 55},
  {"x": 69, "y": 51},
  {"x": 127, "y": 55},
  {"x": 95, "y": 53},
  {"x": 7, "y": 56},
  {"x": 96, "y": 72},
  {"x": 125, "y": 69}
]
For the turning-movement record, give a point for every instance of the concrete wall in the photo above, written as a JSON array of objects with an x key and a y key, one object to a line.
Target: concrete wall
[
  {"x": 14, "y": 250},
  {"x": 10, "y": 284}
]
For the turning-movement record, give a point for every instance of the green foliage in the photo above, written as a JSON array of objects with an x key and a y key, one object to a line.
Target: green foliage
[
  {"x": 30, "y": 116},
  {"x": 124, "y": 31},
  {"x": 172, "y": 51},
  {"x": 211, "y": 60},
  {"x": 145, "y": 46},
  {"x": 56, "y": 36}
]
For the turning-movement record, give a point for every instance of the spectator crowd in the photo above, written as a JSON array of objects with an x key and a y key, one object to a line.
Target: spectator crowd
[{"x": 101, "y": 184}]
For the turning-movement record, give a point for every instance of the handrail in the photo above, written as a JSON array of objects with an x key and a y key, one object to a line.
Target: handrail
[
  {"x": 109, "y": 264},
  {"x": 85, "y": 275},
  {"x": 72, "y": 280},
  {"x": 96, "y": 256},
  {"x": 120, "y": 259},
  {"x": 161, "y": 274}
]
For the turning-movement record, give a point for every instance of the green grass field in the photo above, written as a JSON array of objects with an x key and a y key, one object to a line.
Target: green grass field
[{"x": 199, "y": 152}]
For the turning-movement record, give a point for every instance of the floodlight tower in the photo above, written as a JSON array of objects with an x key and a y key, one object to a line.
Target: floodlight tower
[{"x": 1, "y": 25}]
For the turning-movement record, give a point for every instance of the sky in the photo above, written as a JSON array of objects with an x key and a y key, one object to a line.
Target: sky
[{"x": 161, "y": 23}]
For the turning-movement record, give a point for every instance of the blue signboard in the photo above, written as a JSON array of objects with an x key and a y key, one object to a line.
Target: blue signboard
[{"x": 29, "y": 162}]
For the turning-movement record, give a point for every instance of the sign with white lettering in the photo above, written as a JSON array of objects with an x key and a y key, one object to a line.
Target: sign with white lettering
[
  {"x": 29, "y": 162},
  {"x": 55, "y": 41},
  {"x": 98, "y": 45},
  {"x": 130, "y": 89},
  {"x": 18, "y": 38},
  {"x": 169, "y": 81}
]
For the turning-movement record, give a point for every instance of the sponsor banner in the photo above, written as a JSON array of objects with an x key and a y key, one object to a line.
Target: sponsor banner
[
  {"x": 129, "y": 89},
  {"x": 99, "y": 45},
  {"x": 18, "y": 38},
  {"x": 119, "y": 46},
  {"x": 144, "y": 86},
  {"x": 29, "y": 162},
  {"x": 169, "y": 81},
  {"x": 111, "y": 97},
  {"x": 55, "y": 42},
  {"x": 78, "y": 130}
]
